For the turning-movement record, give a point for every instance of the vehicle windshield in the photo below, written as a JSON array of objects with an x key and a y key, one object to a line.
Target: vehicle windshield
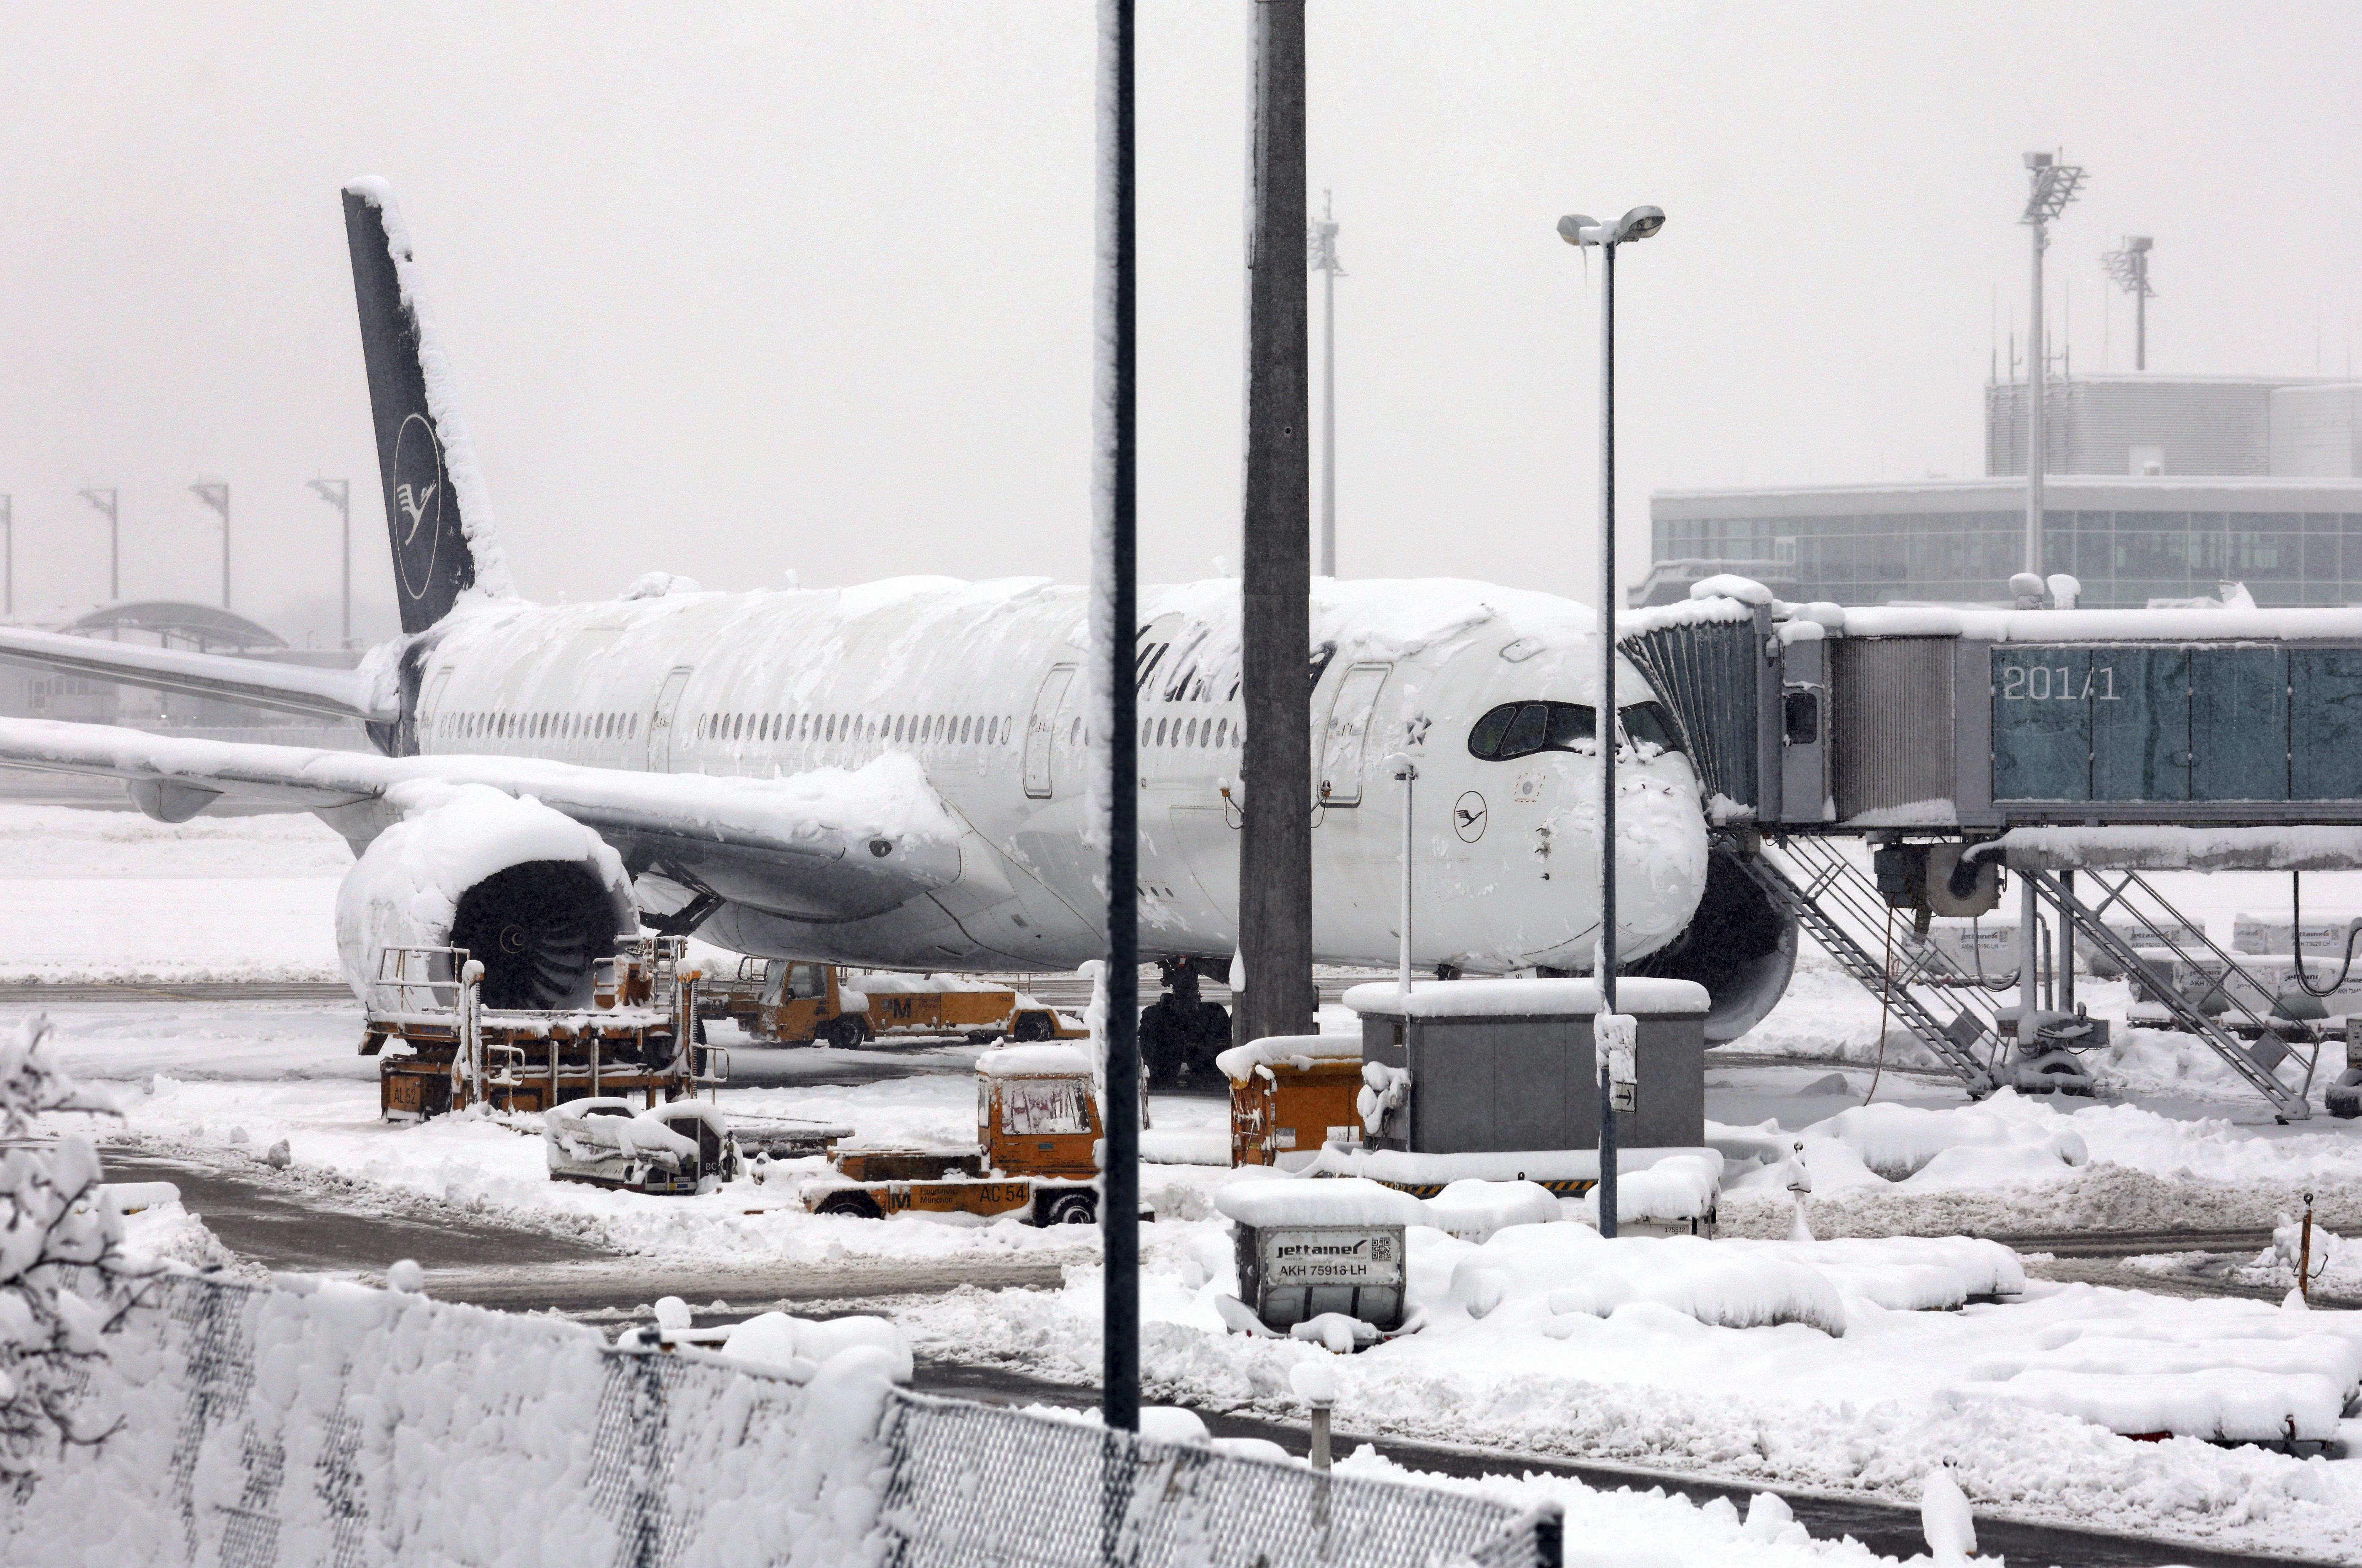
[{"x": 1521, "y": 729}]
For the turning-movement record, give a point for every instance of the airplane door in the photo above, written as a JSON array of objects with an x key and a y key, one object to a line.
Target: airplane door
[
  {"x": 659, "y": 758},
  {"x": 1345, "y": 739},
  {"x": 430, "y": 712},
  {"x": 1041, "y": 728}
]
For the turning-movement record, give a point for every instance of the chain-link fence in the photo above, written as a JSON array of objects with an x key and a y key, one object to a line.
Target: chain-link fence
[{"x": 257, "y": 1426}]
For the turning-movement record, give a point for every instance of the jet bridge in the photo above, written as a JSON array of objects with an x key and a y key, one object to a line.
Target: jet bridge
[{"x": 1942, "y": 736}]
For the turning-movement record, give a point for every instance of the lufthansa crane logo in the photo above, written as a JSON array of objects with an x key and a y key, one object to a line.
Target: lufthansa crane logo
[
  {"x": 418, "y": 488},
  {"x": 1468, "y": 817}
]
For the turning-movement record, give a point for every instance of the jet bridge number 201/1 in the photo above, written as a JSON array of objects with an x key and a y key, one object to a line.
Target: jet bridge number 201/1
[{"x": 2101, "y": 722}]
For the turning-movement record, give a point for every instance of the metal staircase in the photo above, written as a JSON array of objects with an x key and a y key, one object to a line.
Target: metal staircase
[
  {"x": 1814, "y": 882},
  {"x": 2275, "y": 1041}
]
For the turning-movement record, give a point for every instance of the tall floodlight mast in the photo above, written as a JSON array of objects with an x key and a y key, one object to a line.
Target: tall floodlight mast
[
  {"x": 104, "y": 500},
  {"x": 2054, "y": 185},
  {"x": 8, "y": 558},
  {"x": 338, "y": 493},
  {"x": 1321, "y": 257},
  {"x": 215, "y": 494},
  {"x": 2128, "y": 269}
]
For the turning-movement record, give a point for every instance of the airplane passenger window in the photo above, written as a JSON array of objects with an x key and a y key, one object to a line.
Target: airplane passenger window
[
  {"x": 1650, "y": 721},
  {"x": 1521, "y": 729}
]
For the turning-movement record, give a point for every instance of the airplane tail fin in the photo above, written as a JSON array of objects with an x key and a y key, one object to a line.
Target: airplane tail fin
[{"x": 436, "y": 513}]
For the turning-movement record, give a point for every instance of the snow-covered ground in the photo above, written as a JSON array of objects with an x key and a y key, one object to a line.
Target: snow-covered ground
[{"x": 112, "y": 896}]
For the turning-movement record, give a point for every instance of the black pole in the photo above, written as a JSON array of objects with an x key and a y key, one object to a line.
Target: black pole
[
  {"x": 1275, "y": 840},
  {"x": 1603, "y": 726},
  {"x": 1119, "y": 459}
]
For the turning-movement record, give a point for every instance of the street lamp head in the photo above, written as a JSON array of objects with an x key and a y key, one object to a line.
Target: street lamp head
[
  {"x": 1581, "y": 229},
  {"x": 1639, "y": 223}
]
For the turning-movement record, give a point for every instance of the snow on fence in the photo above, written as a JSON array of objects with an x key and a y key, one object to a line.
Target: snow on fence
[{"x": 330, "y": 1423}]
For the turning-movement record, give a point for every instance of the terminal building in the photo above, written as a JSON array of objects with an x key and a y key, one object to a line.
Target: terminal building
[{"x": 2158, "y": 487}]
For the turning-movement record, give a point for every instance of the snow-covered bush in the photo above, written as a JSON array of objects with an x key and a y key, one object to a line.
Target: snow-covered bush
[{"x": 64, "y": 1282}]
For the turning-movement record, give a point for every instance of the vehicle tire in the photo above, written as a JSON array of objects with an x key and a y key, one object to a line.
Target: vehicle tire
[
  {"x": 853, "y": 1201},
  {"x": 697, "y": 1029},
  {"x": 1163, "y": 1049},
  {"x": 1072, "y": 1208},
  {"x": 1032, "y": 1027},
  {"x": 845, "y": 1031},
  {"x": 1212, "y": 1037}
]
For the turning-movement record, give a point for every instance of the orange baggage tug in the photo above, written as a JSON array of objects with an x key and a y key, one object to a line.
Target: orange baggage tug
[
  {"x": 440, "y": 1049},
  {"x": 810, "y": 1004},
  {"x": 1289, "y": 1095},
  {"x": 1038, "y": 1126}
]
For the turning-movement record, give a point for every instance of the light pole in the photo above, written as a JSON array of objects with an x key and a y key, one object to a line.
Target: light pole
[
  {"x": 1577, "y": 229},
  {"x": 2055, "y": 184},
  {"x": 338, "y": 493},
  {"x": 2128, "y": 269},
  {"x": 105, "y": 500},
  {"x": 215, "y": 494},
  {"x": 8, "y": 558},
  {"x": 1322, "y": 258}
]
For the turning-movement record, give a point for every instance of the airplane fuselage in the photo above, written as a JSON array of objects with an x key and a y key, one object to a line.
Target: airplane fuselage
[{"x": 987, "y": 686}]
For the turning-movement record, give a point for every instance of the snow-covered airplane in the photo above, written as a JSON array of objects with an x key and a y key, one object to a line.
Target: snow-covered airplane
[{"x": 894, "y": 774}]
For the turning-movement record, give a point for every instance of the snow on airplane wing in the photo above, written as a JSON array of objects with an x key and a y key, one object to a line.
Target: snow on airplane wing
[
  {"x": 827, "y": 844},
  {"x": 294, "y": 689}
]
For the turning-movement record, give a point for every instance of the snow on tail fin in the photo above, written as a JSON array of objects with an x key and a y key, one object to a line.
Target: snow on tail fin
[{"x": 436, "y": 512}]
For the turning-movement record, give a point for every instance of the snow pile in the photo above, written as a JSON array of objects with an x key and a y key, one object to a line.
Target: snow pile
[
  {"x": 1721, "y": 1287},
  {"x": 2255, "y": 1382},
  {"x": 2334, "y": 1261},
  {"x": 1534, "y": 1278},
  {"x": 1906, "y": 1274},
  {"x": 1477, "y": 1211},
  {"x": 1970, "y": 1143},
  {"x": 1679, "y": 1186},
  {"x": 803, "y": 1347}
]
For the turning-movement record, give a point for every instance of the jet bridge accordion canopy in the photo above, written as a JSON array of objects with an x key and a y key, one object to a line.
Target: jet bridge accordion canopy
[{"x": 1817, "y": 718}]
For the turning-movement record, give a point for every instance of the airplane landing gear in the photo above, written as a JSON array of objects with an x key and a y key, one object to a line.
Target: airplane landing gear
[{"x": 1179, "y": 1031}]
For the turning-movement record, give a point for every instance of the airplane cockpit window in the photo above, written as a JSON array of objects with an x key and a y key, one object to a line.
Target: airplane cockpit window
[
  {"x": 1521, "y": 729},
  {"x": 1648, "y": 723}
]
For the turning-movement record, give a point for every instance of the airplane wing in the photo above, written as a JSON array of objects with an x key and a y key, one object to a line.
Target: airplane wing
[
  {"x": 292, "y": 688},
  {"x": 824, "y": 846}
]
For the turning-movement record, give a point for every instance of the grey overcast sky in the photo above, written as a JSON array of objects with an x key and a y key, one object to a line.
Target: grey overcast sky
[{"x": 740, "y": 290}]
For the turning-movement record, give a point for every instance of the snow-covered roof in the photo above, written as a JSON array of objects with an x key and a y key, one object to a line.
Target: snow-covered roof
[
  {"x": 1292, "y": 1202},
  {"x": 1031, "y": 1061},
  {"x": 1524, "y": 998},
  {"x": 1293, "y": 1050},
  {"x": 2097, "y": 625}
]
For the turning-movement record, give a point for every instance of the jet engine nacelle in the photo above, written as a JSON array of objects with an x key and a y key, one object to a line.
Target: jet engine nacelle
[
  {"x": 1738, "y": 945},
  {"x": 534, "y": 896}
]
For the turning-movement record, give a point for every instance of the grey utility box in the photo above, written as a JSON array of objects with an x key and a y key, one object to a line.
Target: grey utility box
[
  {"x": 1307, "y": 1247},
  {"x": 1508, "y": 1064}
]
